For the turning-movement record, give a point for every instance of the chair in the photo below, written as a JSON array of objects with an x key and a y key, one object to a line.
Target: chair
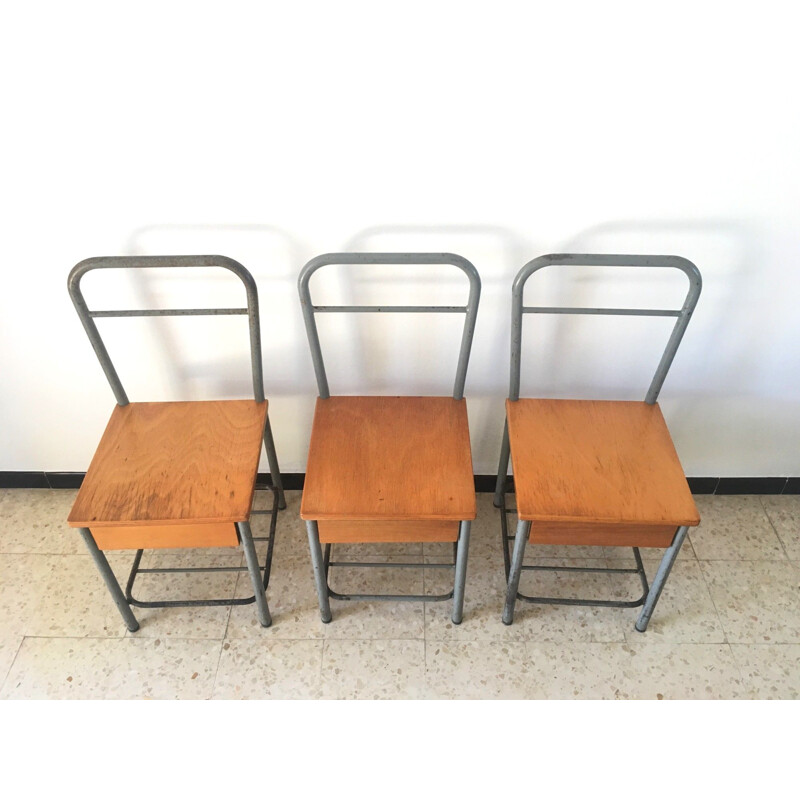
[
  {"x": 176, "y": 474},
  {"x": 594, "y": 472},
  {"x": 389, "y": 469}
]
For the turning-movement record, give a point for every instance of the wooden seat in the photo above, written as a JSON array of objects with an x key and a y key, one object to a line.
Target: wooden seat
[
  {"x": 386, "y": 469},
  {"x": 176, "y": 474},
  {"x": 597, "y": 472}
]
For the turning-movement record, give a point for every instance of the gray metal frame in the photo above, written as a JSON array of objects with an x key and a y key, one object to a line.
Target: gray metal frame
[
  {"x": 322, "y": 562},
  {"x": 87, "y": 318},
  {"x": 513, "y": 563}
]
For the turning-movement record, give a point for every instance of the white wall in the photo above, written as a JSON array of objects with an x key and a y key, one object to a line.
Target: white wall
[{"x": 272, "y": 132}]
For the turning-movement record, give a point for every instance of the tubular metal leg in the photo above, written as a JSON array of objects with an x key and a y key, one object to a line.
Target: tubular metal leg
[
  {"x": 462, "y": 554},
  {"x": 664, "y": 569},
  {"x": 249, "y": 548},
  {"x": 521, "y": 539},
  {"x": 274, "y": 469},
  {"x": 110, "y": 579},
  {"x": 502, "y": 468},
  {"x": 320, "y": 577}
]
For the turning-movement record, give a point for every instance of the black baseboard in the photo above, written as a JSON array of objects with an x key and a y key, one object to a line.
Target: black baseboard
[{"x": 483, "y": 483}]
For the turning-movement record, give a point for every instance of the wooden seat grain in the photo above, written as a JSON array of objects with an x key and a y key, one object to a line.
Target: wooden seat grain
[
  {"x": 389, "y": 460},
  {"x": 173, "y": 464},
  {"x": 600, "y": 470}
]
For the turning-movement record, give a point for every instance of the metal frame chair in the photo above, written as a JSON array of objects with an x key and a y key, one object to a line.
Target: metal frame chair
[
  {"x": 125, "y": 600},
  {"x": 513, "y": 562},
  {"x": 323, "y": 563}
]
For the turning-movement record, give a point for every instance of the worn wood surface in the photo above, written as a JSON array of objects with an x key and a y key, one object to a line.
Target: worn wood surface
[
  {"x": 591, "y": 461},
  {"x": 391, "y": 458},
  {"x": 172, "y": 463}
]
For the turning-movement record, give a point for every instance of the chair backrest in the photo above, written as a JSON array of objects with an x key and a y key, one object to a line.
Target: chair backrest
[
  {"x": 470, "y": 309},
  {"x": 87, "y": 316},
  {"x": 639, "y": 261}
]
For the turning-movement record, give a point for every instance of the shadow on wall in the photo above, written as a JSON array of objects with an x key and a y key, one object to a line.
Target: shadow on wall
[
  {"x": 723, "y": 361},
  {"x": 497, "y": 254},
  {"x": 732, "y": 393},
  {"x": 717, "y": 351},
  {"x": 273, "y": 256}
]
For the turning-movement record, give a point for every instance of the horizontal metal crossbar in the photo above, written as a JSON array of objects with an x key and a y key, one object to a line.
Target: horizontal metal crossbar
[
  {"x": 411, "y": 598},
  {"x": 168, "y": 312},
  {"x": 192, "y": 569},
  {"x": 384, "y": 564},
  {"x": 618, "y": 312},
  {"x": 631, "y": 570},
  {"x": 395, "y": 309},
  {"x": 418, "y": 598}
]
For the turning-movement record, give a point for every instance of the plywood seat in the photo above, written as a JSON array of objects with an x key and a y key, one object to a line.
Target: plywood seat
[
  {"x": 389, "y": 469},
  {"x": 597, "y": 472},
  {"x": 176, "y": 474}
]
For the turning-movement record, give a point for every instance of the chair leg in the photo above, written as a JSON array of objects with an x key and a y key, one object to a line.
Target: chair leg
[
  {"x": 664, "y": 569},
  {"x": 502, "y": 468},
  {"x": 111, "y": 580},
  {"x": 320, "y": 578},
  {"x": 520, "y": 540},
  {"x": 462, "y": 554},
  {"x": 274, "y": 469},
  {"x": 249, "y": 548}
]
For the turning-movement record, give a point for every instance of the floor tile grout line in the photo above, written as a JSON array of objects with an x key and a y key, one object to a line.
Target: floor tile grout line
[
  {"x": 11, "y": 665},
  {"x": 714, "y": 604},
  {"x": 216, "y": 671},
  {"x": 746, "y": 684},
  {"x": 772, "y": 525}
]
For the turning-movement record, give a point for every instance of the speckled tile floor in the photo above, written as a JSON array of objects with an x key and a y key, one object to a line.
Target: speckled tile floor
[{"x": 727, "y": 625}]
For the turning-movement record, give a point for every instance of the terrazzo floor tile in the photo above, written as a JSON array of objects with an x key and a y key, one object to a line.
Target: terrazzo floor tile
[
  {"x": 772, "y": 672},
  {"x": 292, "y": 600},
  {"x": 569, "y": 623},
  {"x": 483, "y": 604},
  {"x": 735, "y": 528},
  {"x": 272, "y": 669},
  {"x": 758, "y": 602},
  {"x": 642, "y": 671},
  {"x": 51, "y": 668},
  {"x": 742, "y": 589},
  {"x": 64, "y": 596},
  {"x": 376, "y": 619},
  {"x": 295, "y": 609},
  {"x": 35, "y": 521},
  {"x": 22, "y": 578},
  {"x": 478, "y": 670},
  {"x": 373, "y": 670},
  {"x": 784, "y": 514},
  {"x": 685, "y": 611},
  {"x": 200, "y": 622}
]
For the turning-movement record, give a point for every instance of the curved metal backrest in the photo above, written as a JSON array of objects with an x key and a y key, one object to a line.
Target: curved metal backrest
[
  {"x": 470, "y": 309},
  {"x": 139, "y": 262},
  {"x": 571, "y": 259}
]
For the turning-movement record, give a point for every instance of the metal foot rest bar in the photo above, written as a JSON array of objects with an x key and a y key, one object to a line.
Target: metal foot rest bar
[
  {"x": 569, "y": 601},
  {"x": 267, "y": 568},
  {"x": 434, "y": 598}
]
